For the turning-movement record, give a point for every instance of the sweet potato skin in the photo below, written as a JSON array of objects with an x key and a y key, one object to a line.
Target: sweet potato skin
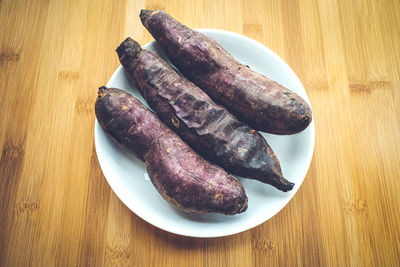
[
  {"x": 253, "y": 98},
  {"x": 180, "y": 175},
  {"x": 207, "y": 127},
  {"x": 126, "y": 120},
  {"x": 195, "y": 186}
]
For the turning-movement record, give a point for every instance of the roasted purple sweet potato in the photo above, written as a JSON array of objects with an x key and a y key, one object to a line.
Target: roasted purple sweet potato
[
  {"x": 253, "y": 98},
  {"x": 180, "y": 175},
  {"x": 208, "y": 128}
]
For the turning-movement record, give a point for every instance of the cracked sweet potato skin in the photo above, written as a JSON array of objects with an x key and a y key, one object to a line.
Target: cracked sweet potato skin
[
  {"x": 180, "y": 175},
  {"x": 253, "y": 98},
  {"x": 208, "y": 128}
]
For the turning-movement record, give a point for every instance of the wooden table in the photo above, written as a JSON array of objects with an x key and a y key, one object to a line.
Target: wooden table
[{"x": 57, "y": 208}]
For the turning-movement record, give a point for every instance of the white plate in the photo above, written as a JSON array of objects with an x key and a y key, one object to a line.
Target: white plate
[{"x": 128, "y": 178}]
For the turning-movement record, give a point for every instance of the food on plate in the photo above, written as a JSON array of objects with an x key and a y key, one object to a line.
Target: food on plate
[
  {"x": 208, "y": 128},
  {"x": 180, "y": 175},
  {"x": 253, "y": 98}
]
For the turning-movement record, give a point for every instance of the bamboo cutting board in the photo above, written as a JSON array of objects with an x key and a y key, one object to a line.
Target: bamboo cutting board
[{"x": 57, "y": 208}]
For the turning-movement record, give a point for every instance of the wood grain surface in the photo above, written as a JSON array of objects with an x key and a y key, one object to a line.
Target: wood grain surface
[{"x": 56, "y": 206}]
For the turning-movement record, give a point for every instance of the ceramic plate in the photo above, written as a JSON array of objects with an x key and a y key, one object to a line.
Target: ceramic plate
[{"x": 128, "y": 178}]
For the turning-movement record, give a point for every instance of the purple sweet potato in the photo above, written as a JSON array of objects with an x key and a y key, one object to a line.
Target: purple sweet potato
[
  {"x": 253, "y": 98},
  {"x": 208, "y": 128},
  {"x": 180, "y": 175}
]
